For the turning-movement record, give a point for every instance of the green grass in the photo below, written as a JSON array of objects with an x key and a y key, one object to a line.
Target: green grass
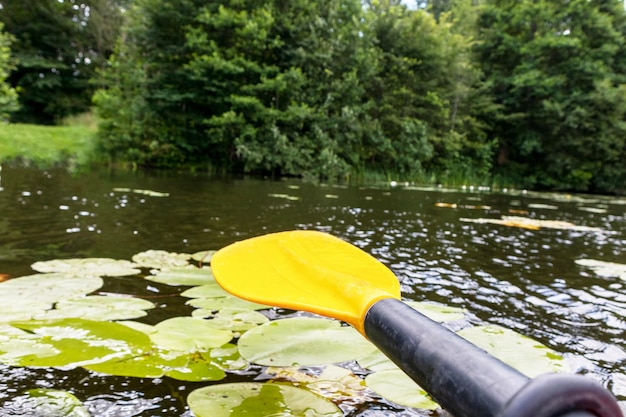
[{"x": 72, "y": 143}]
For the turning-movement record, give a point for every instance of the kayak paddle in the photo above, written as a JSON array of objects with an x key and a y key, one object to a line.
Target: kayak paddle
[{"x": 317, "y": 272}]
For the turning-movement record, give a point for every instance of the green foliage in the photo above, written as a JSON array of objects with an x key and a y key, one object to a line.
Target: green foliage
[
  {"x": 321, "y": 89},
  {"x": 8, "y": 95},
  {"x": 58, "y": 46},
  {"x": 557, "y": 73}
]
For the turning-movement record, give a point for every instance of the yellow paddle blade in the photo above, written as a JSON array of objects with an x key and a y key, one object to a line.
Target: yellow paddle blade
[{"x": 305, "y": 270}]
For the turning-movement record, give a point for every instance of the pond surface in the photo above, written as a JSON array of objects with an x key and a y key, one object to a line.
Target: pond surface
[{"x": 520, "y": 278}]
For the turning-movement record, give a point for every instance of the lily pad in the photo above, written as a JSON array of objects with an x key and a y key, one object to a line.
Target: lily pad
[
  {"x": 603, "y": 269},
  {"x": 203, "y": 257},
  {"x": 48, "y": 403},
  {"x": 396, "y": 386},
  {"x": 259, "y": 399},
  {"x": 209, "y": 290},
  {"x": 302, "y": 341},
  {"x": 188, "y": 334},
  {"x": 71, "y": 343},
  {"x": 24, "y": 297},
  {"x": 237, "y": 320},
  {"x": 228, "y": 301},
  {"x": 522, "y": 353},
  {"x": 334, "y": 382},
  {"x": 88, "y": 267},
  {"x": 437, "y": 312},
  {"x": 189, "y": 275},
  {"x": 97, "y": 307},
  {"x": 533, "y": 224},
  {"x": 160, "y": 259}
]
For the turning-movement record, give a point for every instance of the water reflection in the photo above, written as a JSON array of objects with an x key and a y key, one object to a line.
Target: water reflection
[{"x": 523, "y": 279}]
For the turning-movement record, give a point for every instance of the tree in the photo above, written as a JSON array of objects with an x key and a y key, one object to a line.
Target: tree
[
  {"x": 557, "y": 71},
  {"x": 8, "y": 95},
  {"x": 58, "y": 46}
]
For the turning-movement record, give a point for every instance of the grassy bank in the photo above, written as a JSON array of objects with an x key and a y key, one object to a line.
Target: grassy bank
[{"x": 72, "y": 143}]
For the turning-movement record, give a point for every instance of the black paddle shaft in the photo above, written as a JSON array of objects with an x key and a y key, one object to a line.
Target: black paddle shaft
[{"x": 467, "y": 381}]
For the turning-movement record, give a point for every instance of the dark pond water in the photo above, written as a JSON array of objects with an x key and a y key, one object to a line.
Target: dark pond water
[{"x": 526, "y": 280}]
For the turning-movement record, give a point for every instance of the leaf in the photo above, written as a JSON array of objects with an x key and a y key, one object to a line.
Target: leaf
[
  {"x": 188, "y": 334},
  {"x": 233, "y": 319},
  {"x": 522, "y": 353},
  {"x": 259, "y": 399},
  {"x": 228, "y": 301},
  {"x": 302, "y": 341},
  {"x": 88, "y": 267},
  {"x": 210, "y": 290},
  {"x": 97, "y": 307},
  {"x": 189, "y": 275},
  {"x": 604, "y": 269},
  {"x": 203, "y": 256},
  {"x": 149, "y": 193},
  {"x": 73, "y": 342},
  {"x": 533, "y": 224},
  {"x": 396, "y": 386},
  {"x": 437, "y": 312},
  {"x": 48, "y": 403},
  {"x": 334, "y": 382},
  {"x": 160, "y": 259},
  {"x": 24, "y": 297}
]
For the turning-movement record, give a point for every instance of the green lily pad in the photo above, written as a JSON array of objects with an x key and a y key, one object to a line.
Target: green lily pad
[
  {"x": 153, "y": 363},
  {"x": 49, "y": 403},
  {"x": 203, "y": 256},
  {"x": 396, "y": 386},
  {"x": 88, "y": 267},
  {"x": 188, "y": 334},
  {"x": 160, "y": 259},
  {"x": 302, "y": 341},
  {"x": 189, "y": 275},
  {"x": 71, "y": 343},
  {"x": 604, "y": 269},
  {"x": 98, "y": 307},
  {"x": 522, "y": 353},
  {"x": 259, "y": 399},
  {"x": 198, "y": 367},
  {"x": 24, "y": 297},
  {"x": 437, "y": 312},
  {"x": 227, "y": 301},
  {"x": 237, "y": 320},
  {"x": 210, "y": 290}
]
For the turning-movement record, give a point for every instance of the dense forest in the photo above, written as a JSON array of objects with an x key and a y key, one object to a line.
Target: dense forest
[{"x": 529, "y": 93}]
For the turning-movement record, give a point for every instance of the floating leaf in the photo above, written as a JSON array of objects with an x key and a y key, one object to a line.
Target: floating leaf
[
  {"x": 533, "y": 224},
  {"x": 210, "y": 290},
  {"x": 220, "y": 303},
  {"x": 188, "y": 334},
  {"x": 198, "y": 367},
  {"x": 437, "y": 312},
  {"x": 149, "y": 193},
  {"x": 48, "y": 403},
  {"x": 88, "y": 267},
  {"x": 522, "y": 353},
  {"x": 97, "y": 307},
  {"x": 24, "y": 297},
  {"x": 604, "y": 269},
  {"x": 203, "y": 256},
  {"x": 160, "y": 259},
  {"x": 236, "y": 320},
  {"x": 73, "y": 342},
  {"x": 302, "y": 341},
  {"x": 396, "y": 386},
  {"x": 542, "y": 206},
  {"x": 285, "y": 196},
  {"x": 333, "y": 382},
  {"x": 189, "y": 275},
  {"x": 259, "y": 399}
]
